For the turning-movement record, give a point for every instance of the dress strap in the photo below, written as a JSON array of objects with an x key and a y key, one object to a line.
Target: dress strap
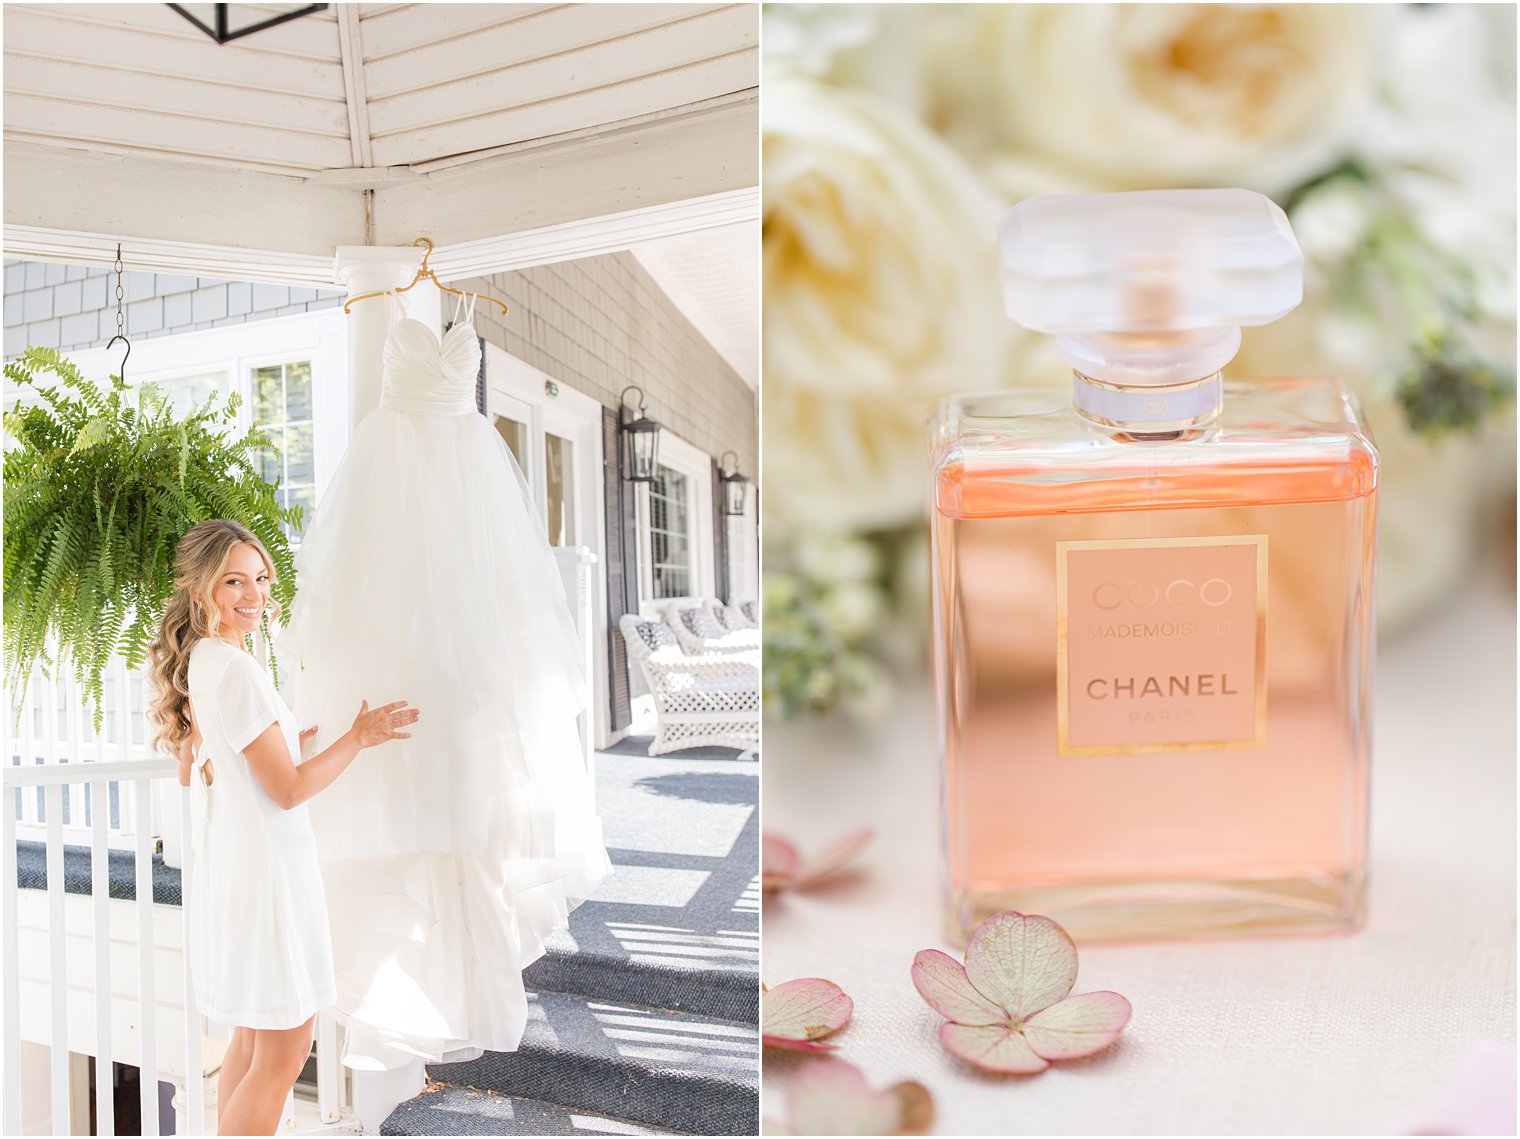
[{"x": 464, "y": 307}]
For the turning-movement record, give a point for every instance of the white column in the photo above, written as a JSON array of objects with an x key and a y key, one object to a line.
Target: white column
[{"x": 370, "y": 269}]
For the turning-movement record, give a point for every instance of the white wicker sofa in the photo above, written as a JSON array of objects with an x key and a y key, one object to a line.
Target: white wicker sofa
[
  {"x": 698, "y": 630},
  {"x": 707, "y": 700}
]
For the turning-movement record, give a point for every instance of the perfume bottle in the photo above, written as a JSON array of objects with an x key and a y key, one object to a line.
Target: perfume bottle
[{"x": 1153, "y": 598}]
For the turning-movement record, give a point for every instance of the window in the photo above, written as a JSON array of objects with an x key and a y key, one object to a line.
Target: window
[
  {"x": 185, "y": 393},
  {"x": 669, "y": 535},
  {"x": 282, "y": 407},
  {"x": 559, "y": 467}
]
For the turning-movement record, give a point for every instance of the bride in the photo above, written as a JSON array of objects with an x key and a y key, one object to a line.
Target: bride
[{"x": 449, "y": 856}]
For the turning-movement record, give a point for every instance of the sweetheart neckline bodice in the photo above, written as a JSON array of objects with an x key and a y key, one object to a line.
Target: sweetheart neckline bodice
[
  {"x": 437, "y": 339},
  {"x": 430, "y": 374}
]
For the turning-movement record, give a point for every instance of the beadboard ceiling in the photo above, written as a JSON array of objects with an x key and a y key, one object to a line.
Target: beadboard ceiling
[
  {"x": 358, "y": 88},
  {"x": 465, "y": 121}
]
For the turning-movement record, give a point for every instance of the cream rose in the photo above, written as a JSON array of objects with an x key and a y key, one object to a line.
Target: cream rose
[
  {"x": 1119, "y": 96},
  {"x": 881, "y": 294}
]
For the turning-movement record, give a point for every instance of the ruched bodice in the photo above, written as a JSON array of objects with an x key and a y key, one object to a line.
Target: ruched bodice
[{"x": 428, "y": 376}]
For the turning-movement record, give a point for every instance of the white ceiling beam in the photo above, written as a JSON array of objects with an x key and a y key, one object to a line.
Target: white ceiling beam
[
  {"x": 573, "y": 198},
  {"x": 584, "y": 238},
  {"x": 708, "y": 152},
  {"x": 351, "y": 45},
  {"x": 589, "y": 237},
  {"x": 138, "y": 200},
  {"x": 155, "y": 255}
]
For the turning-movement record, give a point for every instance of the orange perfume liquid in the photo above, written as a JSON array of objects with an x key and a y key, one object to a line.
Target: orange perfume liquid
[{"x": 1153, "y": 658}]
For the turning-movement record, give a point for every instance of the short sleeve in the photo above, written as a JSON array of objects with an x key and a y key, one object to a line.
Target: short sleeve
[{"x": 246, "y": 700}]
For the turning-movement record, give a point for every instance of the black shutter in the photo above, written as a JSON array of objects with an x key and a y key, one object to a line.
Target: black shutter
[
  {"x": 480, "y": 382},
  {"x": 720, "y": 533},
  {"x": 622, "y": 566}
]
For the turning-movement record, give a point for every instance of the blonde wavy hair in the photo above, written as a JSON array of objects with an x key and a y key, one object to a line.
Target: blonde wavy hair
[{"x": 190, "y": 616}]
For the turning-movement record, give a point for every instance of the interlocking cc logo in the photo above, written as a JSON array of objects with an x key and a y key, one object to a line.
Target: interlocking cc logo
[{"x": 1156, "y": 405}]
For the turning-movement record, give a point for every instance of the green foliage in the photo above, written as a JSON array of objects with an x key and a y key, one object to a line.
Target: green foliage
[
  {"x": 1446, "y": 388},
  {"x": 810, "y": 666},
  {"x": 97, "y": 495}
]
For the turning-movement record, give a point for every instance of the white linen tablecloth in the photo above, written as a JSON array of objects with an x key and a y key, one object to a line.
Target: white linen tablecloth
[{"x": 1312, "y": 1035}]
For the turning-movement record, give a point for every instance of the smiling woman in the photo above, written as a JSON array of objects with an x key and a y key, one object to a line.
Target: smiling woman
[{"x": 260, "y": 953}]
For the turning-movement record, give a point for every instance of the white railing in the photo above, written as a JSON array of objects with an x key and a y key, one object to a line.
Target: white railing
[
  {"x": 55, "y": 727},
  {"x": 52, "y": 780},
  {"x": 53, "y": 983}
]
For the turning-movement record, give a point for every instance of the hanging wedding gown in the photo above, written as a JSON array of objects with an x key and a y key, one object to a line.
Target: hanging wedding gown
[{"x": 426, "y": 576}]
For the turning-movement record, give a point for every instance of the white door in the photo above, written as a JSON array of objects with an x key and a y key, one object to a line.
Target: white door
[{"x": 555, "y": 434}]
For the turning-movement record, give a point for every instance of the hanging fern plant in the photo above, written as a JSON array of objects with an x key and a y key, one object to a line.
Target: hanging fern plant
[{"x": 97, "y": 495}]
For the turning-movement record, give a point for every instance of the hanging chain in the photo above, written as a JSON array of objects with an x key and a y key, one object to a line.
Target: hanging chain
[{"x": 120, "y": 293}]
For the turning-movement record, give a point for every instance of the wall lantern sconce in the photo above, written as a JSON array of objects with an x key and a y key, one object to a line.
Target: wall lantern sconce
[
  {"x": 641, "y": 455},
  {"x": 224, "y": 22},
  {"x": 735, "y": 486}
]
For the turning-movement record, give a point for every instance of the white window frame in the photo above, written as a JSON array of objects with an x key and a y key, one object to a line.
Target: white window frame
[
  {"x": 691, "y": 461},
  {"x": 744, "y": 550},
  {"x": 237, "y": 350}
]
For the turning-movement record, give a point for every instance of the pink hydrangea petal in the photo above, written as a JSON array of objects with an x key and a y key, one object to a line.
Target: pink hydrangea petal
[
  {"x": 1077, "y": 1026},
  {"x": 834, "y": 858},
  {"x": 778, "y": 862},
  {"x": 996, "y": 1047},
  {"x": 831, "y": 1097},
  {"x": 788, "y": 1044},
  {"x": 941, "y": 980},
  {"x": 1022, "y": 963},
  {"x": 806, "y": 1009}
]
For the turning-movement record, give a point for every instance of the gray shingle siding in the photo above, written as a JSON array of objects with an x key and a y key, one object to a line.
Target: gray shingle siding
[
  {"x": 601, "y": 323},
  {"x": 73, "y": 307}
]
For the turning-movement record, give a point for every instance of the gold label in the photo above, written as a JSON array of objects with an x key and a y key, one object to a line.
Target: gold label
[{"x": 1161, "y": 644}]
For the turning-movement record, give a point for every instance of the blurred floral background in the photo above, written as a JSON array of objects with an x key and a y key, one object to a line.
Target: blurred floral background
[{"x": 895, "y": 136}]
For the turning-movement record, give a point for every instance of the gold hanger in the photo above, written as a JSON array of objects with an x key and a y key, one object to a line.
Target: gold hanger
[{"x": 423, "y": 273}]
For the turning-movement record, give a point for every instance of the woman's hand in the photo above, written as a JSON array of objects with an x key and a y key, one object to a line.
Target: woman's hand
[
  {"x": 375, "y": 727},
  {"x": 305, "y": 738}
]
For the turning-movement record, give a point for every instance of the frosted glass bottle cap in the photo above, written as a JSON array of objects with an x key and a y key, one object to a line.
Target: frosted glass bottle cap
[
  {"x": 1148, "y": 288},
  {"x": 1148, "y": 260}
]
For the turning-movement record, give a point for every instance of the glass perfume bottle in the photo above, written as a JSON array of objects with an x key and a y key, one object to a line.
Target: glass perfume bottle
[{"x": 1153, "y": 599}]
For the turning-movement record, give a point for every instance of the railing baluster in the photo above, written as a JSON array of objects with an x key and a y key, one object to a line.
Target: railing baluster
[
  {"x": 58, "y": 980},
  {"x": 146, "y": 1002},
  {"x": 141, "y": 811},
  {"x": 29, "y": 812},
  {"x": 328, "y": 1073},
  {"x": 12, "y": 1064},
  {"x": 49, "y": 707},
  {"x": 195, "y": 1082},
  {"x": 100, "y": 887}
]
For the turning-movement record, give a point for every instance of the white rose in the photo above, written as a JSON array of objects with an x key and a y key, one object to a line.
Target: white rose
[
  {"x": 1105, "y": 96},
  {"x": 810, "y": 38},
  {"x": 881, "y": 294},
  {"x": 1441, "y": 138}
]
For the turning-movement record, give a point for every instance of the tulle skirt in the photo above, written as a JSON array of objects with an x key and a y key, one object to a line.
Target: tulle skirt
[{"x": 427, "y": 577}]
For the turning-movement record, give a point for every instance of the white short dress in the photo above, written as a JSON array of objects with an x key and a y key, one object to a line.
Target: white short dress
[{"x": 260, "y": 950}]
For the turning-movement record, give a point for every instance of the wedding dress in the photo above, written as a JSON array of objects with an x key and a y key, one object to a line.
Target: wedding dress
[{"x": 426, "y": 576}]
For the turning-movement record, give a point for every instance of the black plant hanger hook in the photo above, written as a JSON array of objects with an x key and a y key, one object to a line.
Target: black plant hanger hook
[{"x": 121, "y": 320}]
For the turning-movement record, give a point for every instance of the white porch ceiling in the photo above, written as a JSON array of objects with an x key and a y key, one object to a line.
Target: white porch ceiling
[
  {"x": 374, "y": 123},
  {"x": 361, "y": 93},
  {"x": 713, "y": 277}
]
